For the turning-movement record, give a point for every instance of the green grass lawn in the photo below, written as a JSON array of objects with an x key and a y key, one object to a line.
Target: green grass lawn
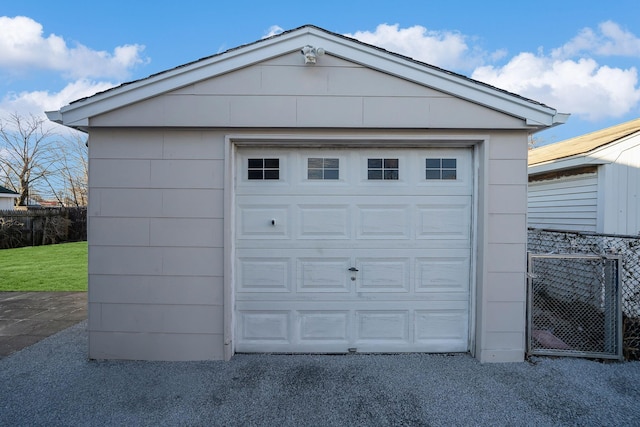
[{"x": 44, "y": 268}]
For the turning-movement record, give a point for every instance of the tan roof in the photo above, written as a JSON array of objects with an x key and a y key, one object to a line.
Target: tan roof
[{"x": 582, "y": 144}]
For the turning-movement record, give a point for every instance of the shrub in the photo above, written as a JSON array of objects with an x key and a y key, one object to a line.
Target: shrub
[{"x": 10, "y": 233}]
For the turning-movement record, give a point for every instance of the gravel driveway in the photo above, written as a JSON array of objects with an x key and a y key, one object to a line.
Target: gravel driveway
[{"x": 52, "y": 383}]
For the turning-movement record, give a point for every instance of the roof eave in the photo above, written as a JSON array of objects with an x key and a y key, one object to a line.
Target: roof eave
[
  {"x": 58, "y": 117},
  {"x": 565, "y": 163},
  {"x": 556, "y": 120},
  {"x": 55, "y": 116}
]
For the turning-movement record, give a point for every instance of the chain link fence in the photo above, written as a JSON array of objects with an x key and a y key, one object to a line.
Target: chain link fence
[
  {"x": 574, "y": 306},
  {"x": 576, "y": 284}
]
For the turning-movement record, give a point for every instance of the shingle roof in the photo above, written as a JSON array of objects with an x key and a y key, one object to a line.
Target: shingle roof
[
  {"x": 7, "y": 191},
  {"x": 584, "y": 143}
]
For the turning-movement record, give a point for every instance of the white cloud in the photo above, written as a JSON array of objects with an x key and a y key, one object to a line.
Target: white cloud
[
  {"x": 273, "y": 31},
  {"x": 568, "y": 79},
  {"x": 445, "y": 49},
  {"x": 581, "y": 87},
  {"x": 23, "y": 46},
  {"x": 37, "y": 102},
  {"x": 610, "y": 40}
]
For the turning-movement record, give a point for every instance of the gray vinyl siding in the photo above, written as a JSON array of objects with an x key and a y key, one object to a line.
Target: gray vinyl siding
[
  {"x": 156, "y": 244},
  {"x": 567, "y": 203},
  {"x": 280, "y": 93}
]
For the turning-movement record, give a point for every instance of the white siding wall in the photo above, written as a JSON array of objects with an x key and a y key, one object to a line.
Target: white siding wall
[
  {"x": 567, "y": 203},
  {"x": 156, "y": 245},
  {"x": 621, "y": 192},
  {"x": 6, "y": 203}
]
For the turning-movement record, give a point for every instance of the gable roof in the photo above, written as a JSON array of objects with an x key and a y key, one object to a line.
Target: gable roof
[
  {"x": 583, "y": 144},
  {"x": 535, "y": 114},
  {"x": 6, "y": 191}
]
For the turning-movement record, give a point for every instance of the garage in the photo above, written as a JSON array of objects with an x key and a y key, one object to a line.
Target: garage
[
  {"x": 353, "y": 249},
  {"x": 307, "y": 193}
]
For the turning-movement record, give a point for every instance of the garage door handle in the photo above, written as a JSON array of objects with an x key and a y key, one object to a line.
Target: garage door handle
[{"x": 353, "y": 269}]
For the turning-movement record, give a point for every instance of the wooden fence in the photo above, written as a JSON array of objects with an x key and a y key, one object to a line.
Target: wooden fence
[{"x": 44, "y": 226}]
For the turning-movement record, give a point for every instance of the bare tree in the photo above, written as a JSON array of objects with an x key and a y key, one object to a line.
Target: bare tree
[
  {"x": 28, "y": 154},
  {"x": 73, "y": 171}
]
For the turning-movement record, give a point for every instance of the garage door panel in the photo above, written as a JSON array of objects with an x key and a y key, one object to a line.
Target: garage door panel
[
  {"x": 383, "y": 222},
  {"x": 324, "y": 304},
  {"x": 445, "y": 219},
  {"x": 272, "y": 326},
  {"x": 323, "y": 275},
  {"x": 329, "y": 299},
  {"x": 443, "y": 270},
  {"x": 324, "y": 222},
  {"x": 263, "y": 222},
  {"x": 441, "y": 325},
  {"x": 432, "y": 330},
  {"x": 383, "y": 325},
  {"x": 383, "y": 274},
  {"x": 325, "y": 326},
  {"x": 306, "y": 247},
  {"x": 264, "y": 275},
  {"x": 353, "y": 177},
  {"x": 438, "y": 220},
  {"x": 443, "y": 274}
]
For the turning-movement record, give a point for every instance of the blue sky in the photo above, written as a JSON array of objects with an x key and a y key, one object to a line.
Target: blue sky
[{"x": 579, "y": 57}]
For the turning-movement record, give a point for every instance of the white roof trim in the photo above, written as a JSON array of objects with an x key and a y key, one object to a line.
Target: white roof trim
[
  {"x": 536, "y": 115},
  {"x": 566, "y": 163}
]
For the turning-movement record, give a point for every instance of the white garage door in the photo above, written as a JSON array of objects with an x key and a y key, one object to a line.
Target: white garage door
[{"x": 343, "y": 249}]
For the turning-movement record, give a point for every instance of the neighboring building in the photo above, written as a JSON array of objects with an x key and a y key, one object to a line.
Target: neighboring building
[
  {"x": 7, "y": 199},
  {"x": 306, "y": 193},
  {"x": 588, "y": 183},
  {"x": 50, "y": 204}
]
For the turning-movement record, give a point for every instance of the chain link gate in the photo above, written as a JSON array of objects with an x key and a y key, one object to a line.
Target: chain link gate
[
  {"x": 628, "y": 247},
  {"x": 574, "y": 306}
]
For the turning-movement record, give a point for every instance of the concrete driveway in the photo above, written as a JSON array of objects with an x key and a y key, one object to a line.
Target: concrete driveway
[
  {"x": 52, "y": 383},
  {"x": 29, "y": 317}
]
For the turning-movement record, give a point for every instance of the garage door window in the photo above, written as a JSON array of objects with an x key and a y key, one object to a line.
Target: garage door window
[
  {"x": 382, "y": 169},
  {"x": 323, "y": 168},
  {"x": 261, "y": 169},
  {"x": 441, "y": 169}
]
